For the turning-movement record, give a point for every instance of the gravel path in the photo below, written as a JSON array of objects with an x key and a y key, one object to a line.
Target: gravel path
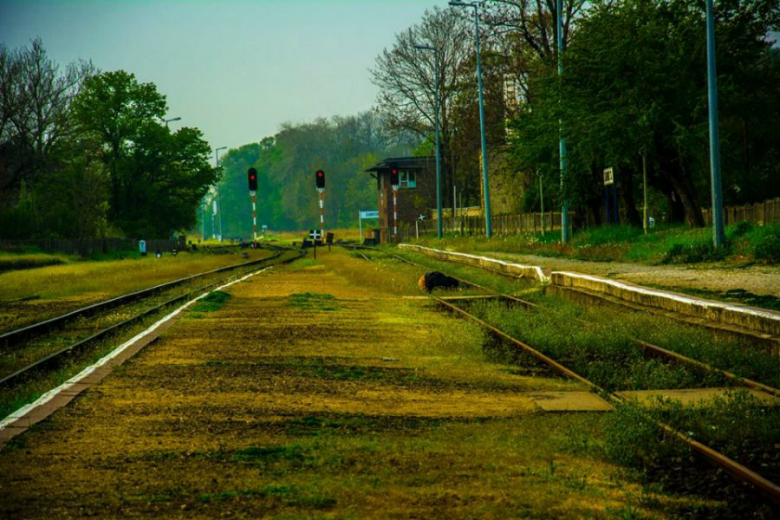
[{"x": 761, "y": 280}]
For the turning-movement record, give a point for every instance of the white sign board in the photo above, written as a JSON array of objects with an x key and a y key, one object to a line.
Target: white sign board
[{"x": 609, "y": 177}]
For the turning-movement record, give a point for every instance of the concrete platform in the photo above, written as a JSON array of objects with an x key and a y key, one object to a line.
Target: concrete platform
[
  {"x": 693, "y": 396},
  {"x": 570, "y": 402},
  {"x": 760, "y": 322}
]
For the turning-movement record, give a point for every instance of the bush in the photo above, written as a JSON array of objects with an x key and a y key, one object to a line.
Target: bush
[
  {"x": 695, "y": 253},
  {"x": 767, "y": 249}
]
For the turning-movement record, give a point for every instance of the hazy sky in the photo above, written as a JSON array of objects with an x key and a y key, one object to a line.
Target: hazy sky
[{"x": 234, "y": 69}]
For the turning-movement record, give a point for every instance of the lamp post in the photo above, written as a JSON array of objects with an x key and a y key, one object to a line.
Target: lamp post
[
  {"x": 718, "y": 233},
  {"x": 171, "y": 121},
  {"x": 438, "y": 144},
  {"x": 488, "y": 224},
  {"x": 562, "y": 140},
  {"x": 219, "y": 191}
]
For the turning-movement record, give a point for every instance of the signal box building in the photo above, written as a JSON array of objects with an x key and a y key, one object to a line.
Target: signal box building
[{"x": 415, "y": 196}]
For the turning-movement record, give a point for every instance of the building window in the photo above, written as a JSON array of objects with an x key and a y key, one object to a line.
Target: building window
[{"x": 408, "y": 179}]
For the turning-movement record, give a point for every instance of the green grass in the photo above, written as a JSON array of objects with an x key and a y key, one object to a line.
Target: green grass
[
  {"x": 313, "y": 302},
  {"x": 213, "y": 302},
  {"x": 600, "y": 352},
  {"x": 664, "y": 244},
  {"x": 20, "y": 261}
]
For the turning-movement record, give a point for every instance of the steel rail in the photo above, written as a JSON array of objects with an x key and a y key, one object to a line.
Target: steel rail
[
  {"x": 56, "y": 356},
  {"x": 734, "y": 468},
  {"x": 653, "y": 349},
  {"x": 15, "y": 337}
]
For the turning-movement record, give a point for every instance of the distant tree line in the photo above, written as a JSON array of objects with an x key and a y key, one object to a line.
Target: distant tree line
[
  {"x": 85, "y": 153},
  {"x": 344, "y": 147},
  {"x": 634, "y": 85}
]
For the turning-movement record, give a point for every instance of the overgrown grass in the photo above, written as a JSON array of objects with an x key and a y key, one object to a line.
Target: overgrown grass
[
  {"x": 313, "y": 302},
  {"x": 738, "y": 425},
  {"x": 212, "y": 302},
  {"x": 21, "y": 261},
  {"x": 97, "y": 280},
  {"x": 600, "y": 352},
  {"x": 663, "y": 244}
]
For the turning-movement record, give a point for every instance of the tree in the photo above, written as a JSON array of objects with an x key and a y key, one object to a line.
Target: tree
[
  {"x": 35, "y": 101},
  {"x": 156, "y": 178},
  {"x": 405, "y": 77},
  {"x": 635, "y": 82}
]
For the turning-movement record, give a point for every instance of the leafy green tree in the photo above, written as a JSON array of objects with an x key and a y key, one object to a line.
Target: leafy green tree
[
  {"x": 635, "y": 82},
  {"x": 156, "y": 178}
]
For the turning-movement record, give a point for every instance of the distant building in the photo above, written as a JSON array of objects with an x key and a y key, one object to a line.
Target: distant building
[{"x": 415, "y": 196}]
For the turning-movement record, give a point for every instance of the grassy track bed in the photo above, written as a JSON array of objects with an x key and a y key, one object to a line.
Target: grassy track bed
[
  {"x": 32, "y": 385},
  {"x": 318, "y": 390},
  {"x": 611, "y": 329},
  {"x": 30, "y": 296},
  {"x": 599, "y": 346}
]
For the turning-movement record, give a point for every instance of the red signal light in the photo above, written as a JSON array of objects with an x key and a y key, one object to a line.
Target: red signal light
[
  {"x": 394, "y": 180},
  {"x": 320, "y": 179},
  {"x": 252, "y": 179}
]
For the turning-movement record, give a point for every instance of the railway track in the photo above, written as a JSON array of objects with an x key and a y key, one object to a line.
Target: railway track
[
  {"x": 735, "y": 469},
  {"x": 55, "y": 331}
]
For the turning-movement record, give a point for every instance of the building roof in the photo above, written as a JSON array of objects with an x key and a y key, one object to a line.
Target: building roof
[{"x": 402, "y": 163}]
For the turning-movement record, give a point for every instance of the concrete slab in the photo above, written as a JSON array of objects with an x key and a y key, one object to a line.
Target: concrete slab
[
  {"x": 693, "y": 396},
  {"x": 570, "y": 402}
]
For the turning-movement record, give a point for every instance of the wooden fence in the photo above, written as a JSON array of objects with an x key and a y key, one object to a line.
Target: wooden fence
[
  {"x": 760, "y": 213},
  {"x": 90, "y": 246}
]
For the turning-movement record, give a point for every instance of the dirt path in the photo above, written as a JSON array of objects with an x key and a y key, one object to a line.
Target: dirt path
[
  {"x": 317, "y": 391},
  {"x": 761, "y": 280}
]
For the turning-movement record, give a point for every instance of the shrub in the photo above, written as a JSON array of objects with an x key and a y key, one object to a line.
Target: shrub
[{"x": 767, "y": 249}]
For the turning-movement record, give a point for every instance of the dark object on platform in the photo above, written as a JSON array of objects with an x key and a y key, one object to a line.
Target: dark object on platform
[
  {"x": 430, "y": 281},
  {"x": 369, "y": 242}
]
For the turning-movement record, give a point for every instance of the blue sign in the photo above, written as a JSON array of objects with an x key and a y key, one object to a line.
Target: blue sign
[{"x": 369, "y": 214}]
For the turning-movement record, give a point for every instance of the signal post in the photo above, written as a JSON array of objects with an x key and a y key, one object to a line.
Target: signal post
[
  {"x": 252, "y": 177},
  {"x": 394, "y": 183},
  {"x": 319, "y": 181}
]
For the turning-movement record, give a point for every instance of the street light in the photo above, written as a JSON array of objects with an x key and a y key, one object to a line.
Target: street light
[
  {"x": 171, "y": 121},
  {"x": 438, "y": 145},
  {"x": 719, "y": 236},
  {"x": 219, "y": 192},
  {"x": 488, "y": 225}
]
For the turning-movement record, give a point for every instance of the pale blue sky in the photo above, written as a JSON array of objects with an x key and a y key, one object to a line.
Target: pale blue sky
[{"x": 235, "y": 69}]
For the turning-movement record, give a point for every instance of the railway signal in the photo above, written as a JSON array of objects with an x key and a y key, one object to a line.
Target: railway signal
[
  {"x": 394, "y": 183},
  {"x": 252, "y": 176},
  {"x": 319, "y": 181},
  {"x": 394, "y": 178}
]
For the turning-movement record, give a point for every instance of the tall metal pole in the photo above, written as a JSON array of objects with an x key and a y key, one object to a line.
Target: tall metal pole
[
  {"x": 438, "y": 144},
  {"x": 488, "y": 223},
  {"x": 565, "y": 236},
  {"x": 718, "y": 232},
  {"x": 644, "y": 189},
  {"x": 541, "y": 200},
  {"x": 203, "y": 219},
  {"x": 219, "y": 193}
]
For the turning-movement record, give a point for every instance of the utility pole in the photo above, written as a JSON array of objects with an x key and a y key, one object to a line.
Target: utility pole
[
  {"x": 565, "y": 237},
  {"x": 219, "y": 191},
  {"x": 488, "y": 223},
  {"x": 718, "y": 233}
]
